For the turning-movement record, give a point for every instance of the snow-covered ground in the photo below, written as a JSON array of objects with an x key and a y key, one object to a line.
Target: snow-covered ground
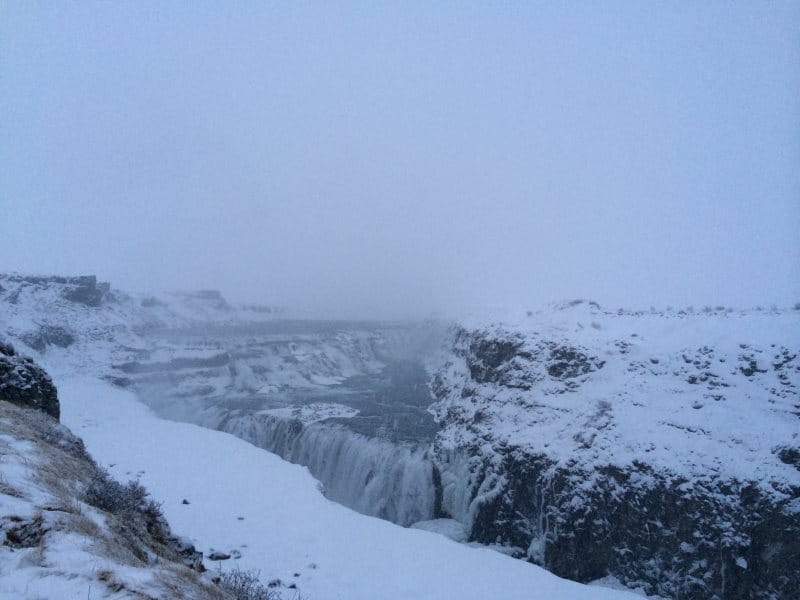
[
  {"x": 59, "y": 546},
  {"x": 272, "y": 512},
  {"x": 706, "y": 393}
]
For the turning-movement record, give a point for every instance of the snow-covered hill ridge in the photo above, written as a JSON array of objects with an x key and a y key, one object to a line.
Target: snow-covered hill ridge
[
  {"x": 662, "y": 448},
  {"x": 115, "y": 333},
  {"x": 696, "y": 394}
]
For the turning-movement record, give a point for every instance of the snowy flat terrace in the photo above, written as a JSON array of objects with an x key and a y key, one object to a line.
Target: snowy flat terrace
[{"x": 272, "y": 512}]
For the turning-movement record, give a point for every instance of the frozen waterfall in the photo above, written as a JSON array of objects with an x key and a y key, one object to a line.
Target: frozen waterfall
[{"x": 396, "y": 482}]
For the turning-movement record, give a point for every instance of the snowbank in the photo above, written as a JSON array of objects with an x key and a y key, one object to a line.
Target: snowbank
[{"x": 242, "y": 498}]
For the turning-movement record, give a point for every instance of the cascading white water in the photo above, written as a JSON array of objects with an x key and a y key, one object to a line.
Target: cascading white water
[
  {"x": 375, "y": 477},
  {"x": 467, "y": 482}
]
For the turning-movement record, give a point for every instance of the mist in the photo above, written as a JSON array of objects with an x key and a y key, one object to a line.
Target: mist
[{"x": 399, "y": 160}]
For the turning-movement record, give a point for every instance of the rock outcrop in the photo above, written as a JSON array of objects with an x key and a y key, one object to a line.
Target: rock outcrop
[
  {"x": 593, "y": 466},
  {"x": 87, "y": 290},
  {"x": 83, "y": 289},
  {"x": 24, "y": 383},
  {"x": 48, "y": 335}
]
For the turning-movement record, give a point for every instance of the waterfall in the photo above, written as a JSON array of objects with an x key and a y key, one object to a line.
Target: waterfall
[{"x": 375, "y": 477}]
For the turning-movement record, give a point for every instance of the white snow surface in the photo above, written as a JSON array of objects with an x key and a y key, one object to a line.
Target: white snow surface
[
  {"x": 242, "y": 498},
  {"x": 76, "y": 552},
  {"x": 671, "y": 391}
]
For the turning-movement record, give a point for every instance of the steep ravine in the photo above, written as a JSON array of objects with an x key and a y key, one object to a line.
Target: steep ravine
[
  {"x": 660, "y": 448},
  {"x": 672, "y": 533},
  {"x": 349, "y": 405}
]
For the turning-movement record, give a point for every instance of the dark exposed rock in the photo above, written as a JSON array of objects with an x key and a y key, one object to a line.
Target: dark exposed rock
[
  {"x": 789, "y": 456},
  {"x": 189, "y": 555},
  {"x": 48, "y": 335},
  {"x": 217, "y": 555},
  {"x": 703, "y": 539},
  {"x": 494, "y": 353},
  {"x": 750, "y": 367},
  {"x": 487, "y": 356},
  {"x": 568, "y": 363},
  {"x": 23, "y": 533},
  {"x": 219, "y": 360},
  {"x": 508, "y": 361},
  {"x": 24, "y": 383},
  {"x": 86, "y": 290}
]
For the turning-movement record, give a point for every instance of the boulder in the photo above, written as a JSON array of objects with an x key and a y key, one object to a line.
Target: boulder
[{"x": 24, "y": 383}]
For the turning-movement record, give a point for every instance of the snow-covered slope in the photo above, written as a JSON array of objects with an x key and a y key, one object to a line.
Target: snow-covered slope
[
  {"x": 696, "y": 394},
  {"x": 244, "y": 500},
  {"x": 58, "y": 543},
  {"x": 83, "y": 325}
]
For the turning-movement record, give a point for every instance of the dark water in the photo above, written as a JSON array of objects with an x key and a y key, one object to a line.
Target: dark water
[{"x": 392, "y": 404}]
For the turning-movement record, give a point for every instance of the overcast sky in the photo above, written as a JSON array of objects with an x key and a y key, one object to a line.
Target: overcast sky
[{"x": 394, "y": 159}]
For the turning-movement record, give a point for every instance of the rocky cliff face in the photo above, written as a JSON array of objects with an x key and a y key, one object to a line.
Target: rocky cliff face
[
  {"x": 606, "y": 444},
  {"x": 24, "y": 383}
]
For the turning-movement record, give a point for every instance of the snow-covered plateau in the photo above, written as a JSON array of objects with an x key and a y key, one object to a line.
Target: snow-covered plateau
[{"x": 660, "y": 449}]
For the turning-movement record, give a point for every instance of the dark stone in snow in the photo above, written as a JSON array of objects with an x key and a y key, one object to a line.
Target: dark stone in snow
[
  {"x": 86, "y": 290},
  {"x": 188, "y": 554},
  {"x": 24, "y": 534},
  {"x": 24, "y": 383},
  {"x": 216, "y": 555},
  {"x": 789, "y": 456},
  {"x": 568, "y": 363},
  {"x": 48, "y": 335}
]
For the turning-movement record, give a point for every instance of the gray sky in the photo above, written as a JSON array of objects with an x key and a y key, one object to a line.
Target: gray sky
[{"x": 392, "y": 159}]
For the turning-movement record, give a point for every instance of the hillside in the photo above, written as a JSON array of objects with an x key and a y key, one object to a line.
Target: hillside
[{"x": 68, "y": 529}]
